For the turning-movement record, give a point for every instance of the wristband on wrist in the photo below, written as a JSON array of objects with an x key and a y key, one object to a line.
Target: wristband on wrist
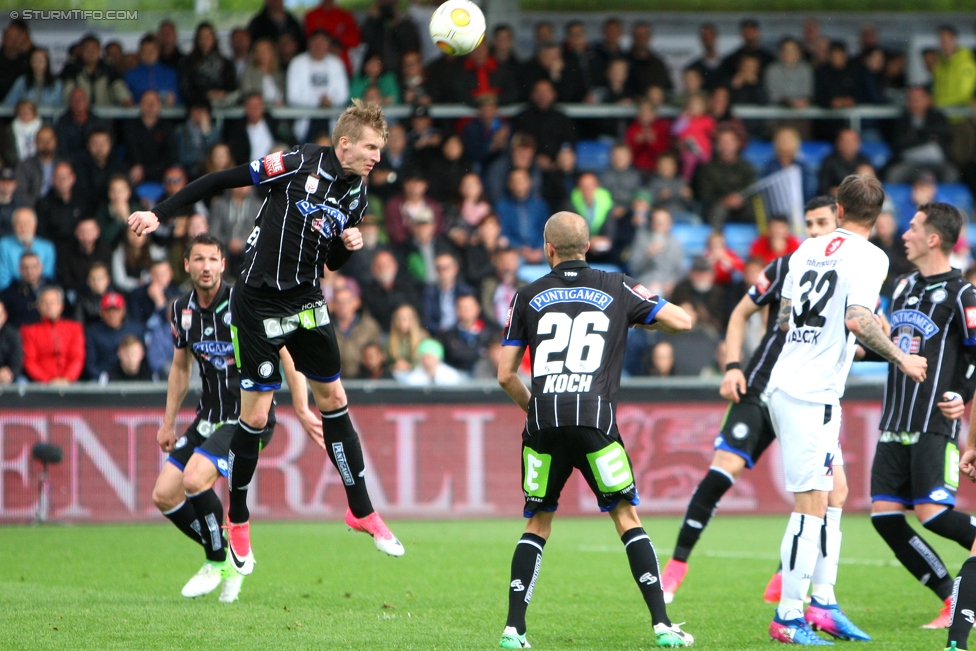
[{"x": 733, "y": 365}]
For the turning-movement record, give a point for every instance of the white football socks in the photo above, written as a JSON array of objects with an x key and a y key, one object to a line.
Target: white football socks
[
  {"x": 798, "y": 551},
  {"x": 825, "y": 573}
]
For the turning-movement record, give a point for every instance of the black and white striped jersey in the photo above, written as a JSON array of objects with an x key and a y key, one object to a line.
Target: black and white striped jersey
[
  {"x": 574, "y": 322},
  {"x": 768, "y": 290},
  {"x": 933, "y": 316},
  {"x": 206, "y": 332},
  {"x": 309, "y": 203}
]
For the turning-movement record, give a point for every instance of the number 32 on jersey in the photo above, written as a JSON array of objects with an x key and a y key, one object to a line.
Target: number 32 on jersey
[
  {"x": 809, "y": 312},
  {"x": 580, "y": 339}
]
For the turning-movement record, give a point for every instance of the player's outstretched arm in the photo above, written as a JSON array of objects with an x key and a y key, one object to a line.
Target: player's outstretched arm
[
  {"x": 207, "y": 185},
  {"x": 176, "y": 387},
  {"x": 734, "y": 382},
  {"x": 298, "y": 387},
  {"x": 671, "y": 319},
  {"x": 508, "y": 376},
  {"x": 861, "y": 322}
]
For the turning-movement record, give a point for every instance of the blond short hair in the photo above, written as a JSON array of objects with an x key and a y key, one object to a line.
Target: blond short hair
[{"x": 357, "y": 117}]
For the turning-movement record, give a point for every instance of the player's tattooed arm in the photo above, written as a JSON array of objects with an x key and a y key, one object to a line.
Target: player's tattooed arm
[
  {"x": 785, "y": 312},
  {"x": 861, "y": 322}
]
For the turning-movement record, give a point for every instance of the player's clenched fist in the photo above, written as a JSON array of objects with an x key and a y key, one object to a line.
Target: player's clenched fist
[
  {"x": 143, "y": 222},
  {"x": 352, "y": 239},
  {"x": 914, "y": 367},
  {"x": 733, "y": 385},
  {"x": 967, "y": 464}
]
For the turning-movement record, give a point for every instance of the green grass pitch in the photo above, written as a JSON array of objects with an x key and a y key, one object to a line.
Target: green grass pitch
[{"x": 319, "y": 586}]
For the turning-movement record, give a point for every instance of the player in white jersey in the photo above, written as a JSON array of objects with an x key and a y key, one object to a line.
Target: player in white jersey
[{"x": 829, "y": 297}]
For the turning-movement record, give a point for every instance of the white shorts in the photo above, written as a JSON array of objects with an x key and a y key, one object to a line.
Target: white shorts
[{"x": 808, "y": 435}]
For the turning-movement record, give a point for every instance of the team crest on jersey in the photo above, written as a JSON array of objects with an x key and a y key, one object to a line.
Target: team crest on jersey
[
  {"x": 186, "y": 319},
  {"x": 834, "y": 245},
  {"x": 762, "y": 283},
  {"x": 905, "y": 340},
  {"x": 311, "y": 184},
  {"x": 354, "y": 204},
  {"x": 273, "y": 165},
  {"x": 909, "y": 328},
  {"x": 220, "y": 354},
  {"x": 227, "y": 319},
  {"x": 939, "y": 295}
]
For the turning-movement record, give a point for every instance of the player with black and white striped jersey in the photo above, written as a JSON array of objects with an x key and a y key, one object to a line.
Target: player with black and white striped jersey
[
  {"x": 184, "y": 490},
  {"x": 829, "y": 298},
  {"x": 574, "y": 322},
  {"x": 933, "y": 313},
  {"x": 316, "y": 198}
]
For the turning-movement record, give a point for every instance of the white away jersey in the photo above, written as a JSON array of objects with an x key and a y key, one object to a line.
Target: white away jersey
[{"x": 827, "y": 274}]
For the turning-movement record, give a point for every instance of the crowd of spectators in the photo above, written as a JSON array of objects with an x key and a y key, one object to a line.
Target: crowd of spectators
[{"x": 456, "y": 206}]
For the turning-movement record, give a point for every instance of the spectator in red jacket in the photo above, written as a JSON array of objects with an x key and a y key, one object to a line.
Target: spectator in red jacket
[
  {"x": 648, "y": 137},
  {"x": 724, "y": 260},
  {"x": 340, "y": 25},
  {"x": 777, "y": 241},
  {"x": 54, "y": 348}
]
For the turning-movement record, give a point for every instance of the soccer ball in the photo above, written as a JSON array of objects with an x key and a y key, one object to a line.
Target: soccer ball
[{"x": 457, "y": 27}]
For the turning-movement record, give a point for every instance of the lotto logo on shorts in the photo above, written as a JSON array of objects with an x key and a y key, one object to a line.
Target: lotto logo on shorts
[
  {"x": 971, "y": 317},
  {"x": 273, "y": 165}
]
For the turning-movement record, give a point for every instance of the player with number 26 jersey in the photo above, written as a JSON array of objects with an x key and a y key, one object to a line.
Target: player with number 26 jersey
[{"x": 574, "y": 322}]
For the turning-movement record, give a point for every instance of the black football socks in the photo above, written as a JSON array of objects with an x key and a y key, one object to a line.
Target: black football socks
[
  {"x": 184, "y": 517},
  {"x": 346, "y": 453},
  {"x": 211, "y": 515},
  {"x": 242, "y": 460},
  {"x": 647, "y": 573},
  {"x": 711, "y": 489},
  {"x": 963, "y": 605},
  {"x": 526, "y": 562},
  {"x": 913, "y": 552}
]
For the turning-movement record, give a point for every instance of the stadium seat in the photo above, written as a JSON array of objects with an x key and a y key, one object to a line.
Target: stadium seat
[
  {"x": 150, "y": 191},
  {"x": 814, "y": 151},
  {"x": 739, "y": 237},
  {"x": 758, "y": 152},
  {"x": 529, "y": 272},
  {"x": 956, "y": 194},
  {"x": 592, "y": 155},
  {"x": 692, "y": 237},
  {"x": 901, "y": 196},
  {"x": 877, "y": 152}
]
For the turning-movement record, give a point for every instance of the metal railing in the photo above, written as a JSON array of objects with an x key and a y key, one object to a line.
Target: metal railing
[{"x": 854, "y": 115}]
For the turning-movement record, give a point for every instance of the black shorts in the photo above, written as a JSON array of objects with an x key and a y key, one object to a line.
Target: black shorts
[
  {"x": 747, "y": 430},
  {"x": 916, "y": 468},
  {"x": 548, "y": 459},
  {"x": 264, "y": 320},
  {"x": 215, "y": 446}
]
